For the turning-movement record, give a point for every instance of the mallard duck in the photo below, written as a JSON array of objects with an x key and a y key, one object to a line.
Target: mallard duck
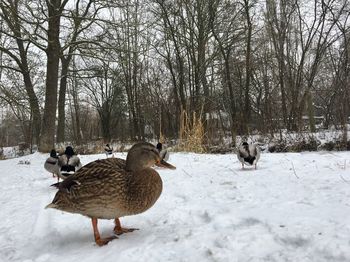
[
  {"x": 51, "y": 164},
  {"x": 163, "y": 152},
  {"x": 108, "y": 150},
  {"x": 248, "y": 154},
  {"x": 69, "y": 163},
  {"x": 113, "y": 188}
]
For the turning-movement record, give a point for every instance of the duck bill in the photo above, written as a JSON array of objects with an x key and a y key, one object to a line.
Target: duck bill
[{"x": 165, "y": 164}]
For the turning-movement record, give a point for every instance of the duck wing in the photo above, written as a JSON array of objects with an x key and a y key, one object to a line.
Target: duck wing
[
  {"x": 51, "y": 165},
  {"x": 256, "y": 151},
  {"x": 252, "y": 150},
  {"x": 108, "y": 165},
  {"x": 242, "y": 152},
  {"x": 96, "y": 192},
  {"x": 105, "y": 163},
  {"x": 93, "y": 178},
  {"x": 75, "y": 162}
]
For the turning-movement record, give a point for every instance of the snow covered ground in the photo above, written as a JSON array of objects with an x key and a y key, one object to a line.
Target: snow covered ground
[{"x": 295, "y": 207}]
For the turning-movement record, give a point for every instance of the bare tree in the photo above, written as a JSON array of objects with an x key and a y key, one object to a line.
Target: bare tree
[
  {"x": 226, "y": 29},
  {"x": 81, "y": 18},
  {"x": 246, "y": 115},
  {"x": 102, "y": 81},
  {"x": 16, "y": 53}
]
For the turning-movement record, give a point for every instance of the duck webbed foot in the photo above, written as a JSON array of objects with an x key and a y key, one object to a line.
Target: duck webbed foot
[
  {"x": 122, "y": 230},
  {"x": 118, "y": 229},
  {"x": 104, "y": 241},
  {"x": 100, "y": 241}
]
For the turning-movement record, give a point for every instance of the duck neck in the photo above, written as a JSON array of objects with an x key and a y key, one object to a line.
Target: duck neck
[{"x": 133, "y": 166}]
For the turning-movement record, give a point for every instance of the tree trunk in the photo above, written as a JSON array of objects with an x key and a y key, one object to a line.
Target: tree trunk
[
  {"x": 78, "y": 133},
  {"x": 61, "y": 122},
  {"x": 229, "y": 85},
  {"x": 248, "y": 69},
  {"x": 53, "y": 55},
  {"x": 34, "y": 106},
  {"x": 310, "y": 111},
  {"x": 33, "y": 99},
  {"x": 14, "y": 24}
]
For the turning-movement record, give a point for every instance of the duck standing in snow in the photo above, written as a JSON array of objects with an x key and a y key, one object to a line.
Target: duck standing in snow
[
  {"x": 108, "y": 150},
  {"x": 110, "y": 188},
  {"x": 248, "y": 154},
  {"x": 69, "y": 163},
  {"x": 163, "y": 152},
  {"x": 51, "y": 164}
]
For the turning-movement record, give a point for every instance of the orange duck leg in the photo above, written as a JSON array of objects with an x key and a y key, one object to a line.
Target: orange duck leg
[
  {"x": 118, "y": 229},
  {"x": 100, "y": 241}
]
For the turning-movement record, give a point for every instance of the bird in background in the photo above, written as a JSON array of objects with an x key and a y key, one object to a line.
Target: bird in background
[
  {"x": 69, "y": 163},
  {"x": 51, "y": 164},
  {"x": 108, "y": 150},
  {"x": 248, "y": 154},
  {"x": 163, "y": 152}
]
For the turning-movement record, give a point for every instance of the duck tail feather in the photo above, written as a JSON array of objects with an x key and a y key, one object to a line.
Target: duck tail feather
[
  {"x": 52, "y": 205},
  {"x": 56, "y": 185}
]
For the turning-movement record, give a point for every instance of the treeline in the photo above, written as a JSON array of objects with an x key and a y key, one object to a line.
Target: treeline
[{"x": 87, "y": 69}]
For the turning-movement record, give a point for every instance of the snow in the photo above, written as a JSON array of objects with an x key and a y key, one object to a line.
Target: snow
[{"x": 294, "y": 207}]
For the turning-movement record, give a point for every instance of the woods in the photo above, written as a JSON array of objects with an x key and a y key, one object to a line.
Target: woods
[{"x": 85, "y": 70}]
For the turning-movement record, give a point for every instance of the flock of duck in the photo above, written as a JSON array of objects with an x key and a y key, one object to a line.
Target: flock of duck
[
  {"x": 112, "y": 188},
  {"x": 64, "y": 165}
]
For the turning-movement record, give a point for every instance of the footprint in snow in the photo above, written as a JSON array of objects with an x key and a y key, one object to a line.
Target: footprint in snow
[
  {"x": 295, "y": 242},
  {"x": 205, "y": 217},
  {"x": 248, "y": 222}
]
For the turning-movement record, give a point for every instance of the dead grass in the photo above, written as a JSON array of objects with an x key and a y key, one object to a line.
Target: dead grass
[{"x": 191, "y": 134}]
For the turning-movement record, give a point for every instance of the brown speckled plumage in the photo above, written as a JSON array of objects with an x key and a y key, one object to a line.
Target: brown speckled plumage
[
  {"x": 112, "y": 188},
  {"x": 90, "y": 192}
]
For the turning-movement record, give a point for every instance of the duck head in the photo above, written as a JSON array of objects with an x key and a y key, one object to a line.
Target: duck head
[
  {"x": 159, "y": 146},
  {"x": 144, "y": 155},
  {"x": 53, "y": 153},
  {"x": 245, "y": 145},
  {"x": 69, "y": 151}
]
